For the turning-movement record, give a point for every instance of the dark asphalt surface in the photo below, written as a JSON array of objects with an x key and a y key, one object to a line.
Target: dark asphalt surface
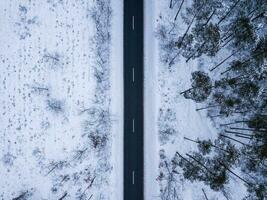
[{"x": 133, "y": 100}]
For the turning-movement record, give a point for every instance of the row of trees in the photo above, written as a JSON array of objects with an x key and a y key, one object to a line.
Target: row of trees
[{"x": 236, "y": 100}]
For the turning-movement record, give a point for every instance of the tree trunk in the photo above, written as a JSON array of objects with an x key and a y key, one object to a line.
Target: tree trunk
[
  {"x": 180, "y": 7},
  {"x": 258, "y": 16},
  {"x": 172, "y": 60},
  {"x": 53, "y": 168},
  {"x": 232, "y": 37},
  {"x": 166, "y": 164},
  {"x": 214, "y": 146},
  {"x": 245, "y": 137},
  {"x": 170, "y": 4},
  {"x": 191, "y": 56},
  {"x": 185, "y": 159},
  {"x": 203, "y": 108},
  {"x": 173, "y": 4},
  {"x": 201, "y": 164},
  {"x": 237, "y": 133},
  {"x": 223, "y": 61},
  {"x": 210, "y": 17},
  {"x": 231, "y": 68},
  {"x": 225, "y": 35},
  {"x": 214, "y": 116},
  {"x": 187, "y": 90},
  {"x": 206, "y": 198},
  {"x": 228, "y": 169},
  {"x": 188, "y": 28},
  {"x": 230, "y": 10},
  {"x": 186, "y": 138},
  {"x": 63, "y": 197},
  {"x": 233, "y": 139},
  {"x": 227, "y": 70},
  {"x": 236, "y": 122},
  {"x": 248, "y": 129},
  {"x": 242, "y": 121},
  {"x": 21, "y": 196},
  {"x": 79, "y": 154}
]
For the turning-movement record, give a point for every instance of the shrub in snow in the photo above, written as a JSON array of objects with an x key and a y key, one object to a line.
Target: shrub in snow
[
  {"x": 97, "y": 128},
  {"x": 169, "y": 177},
  {"x": 53, "y": 60},
  {"x": 55, "y": 3},
  {"x": 55, "y": 105},
  {"x": 40, "y": 89},
  {"x": 166, "y": 129},
  {"x": 58, "y": 165},
  {"x": 25, "y": 24},
  {"x": 8, "y": 159},
  {"x": 24, "y": 195}
]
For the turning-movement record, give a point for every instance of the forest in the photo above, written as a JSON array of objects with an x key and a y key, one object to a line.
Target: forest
[{"x": 231, "y": 90}]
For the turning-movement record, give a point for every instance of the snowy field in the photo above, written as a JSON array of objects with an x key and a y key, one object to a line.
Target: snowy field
[{"x": 61, "y": 97}]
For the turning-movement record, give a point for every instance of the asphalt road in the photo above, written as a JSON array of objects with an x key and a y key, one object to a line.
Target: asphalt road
[{"x": 133, "y": 100}]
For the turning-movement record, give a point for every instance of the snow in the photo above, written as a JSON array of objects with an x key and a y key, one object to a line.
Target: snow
[
  {"x": 117, "y": 97},
  {"x": 166, "y": 109},
  {"x": 150, "y": 103},
  {"x": 47, "y": 83}
]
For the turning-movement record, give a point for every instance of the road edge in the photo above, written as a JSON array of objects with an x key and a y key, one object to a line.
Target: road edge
[
  {"x": 151, "y": 187},
  {"x": 117, "y": 97}
]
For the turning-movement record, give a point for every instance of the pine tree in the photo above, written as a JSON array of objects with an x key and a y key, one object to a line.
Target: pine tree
[{"x": 201, "y": 87}]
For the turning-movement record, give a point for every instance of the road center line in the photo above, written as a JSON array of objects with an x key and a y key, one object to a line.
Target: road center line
[
  {"x": 133, "y": 177},
  {"x": 133, "y": 125},
  {"x": 133, "y": 22},
  {"x": 133, "y": 74}
]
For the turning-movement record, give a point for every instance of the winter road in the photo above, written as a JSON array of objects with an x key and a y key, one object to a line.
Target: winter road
[{"x": 133, "y": 100}]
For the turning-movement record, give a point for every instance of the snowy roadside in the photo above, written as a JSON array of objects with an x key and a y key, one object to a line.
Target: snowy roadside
[
  {"x": 151, "y": 98},
  {"x": 61, "y": 115},
  {"x": 117, "y": 97},
  {"x": 171, "y": 117}
]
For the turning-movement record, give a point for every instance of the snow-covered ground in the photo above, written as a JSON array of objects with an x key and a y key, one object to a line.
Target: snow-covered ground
[
  {"x": 151, "y": 97},
  {"x": 169, "y": 117},
  {"x": 60, "y": 116},
  {"x": 117, "y": 96}
]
